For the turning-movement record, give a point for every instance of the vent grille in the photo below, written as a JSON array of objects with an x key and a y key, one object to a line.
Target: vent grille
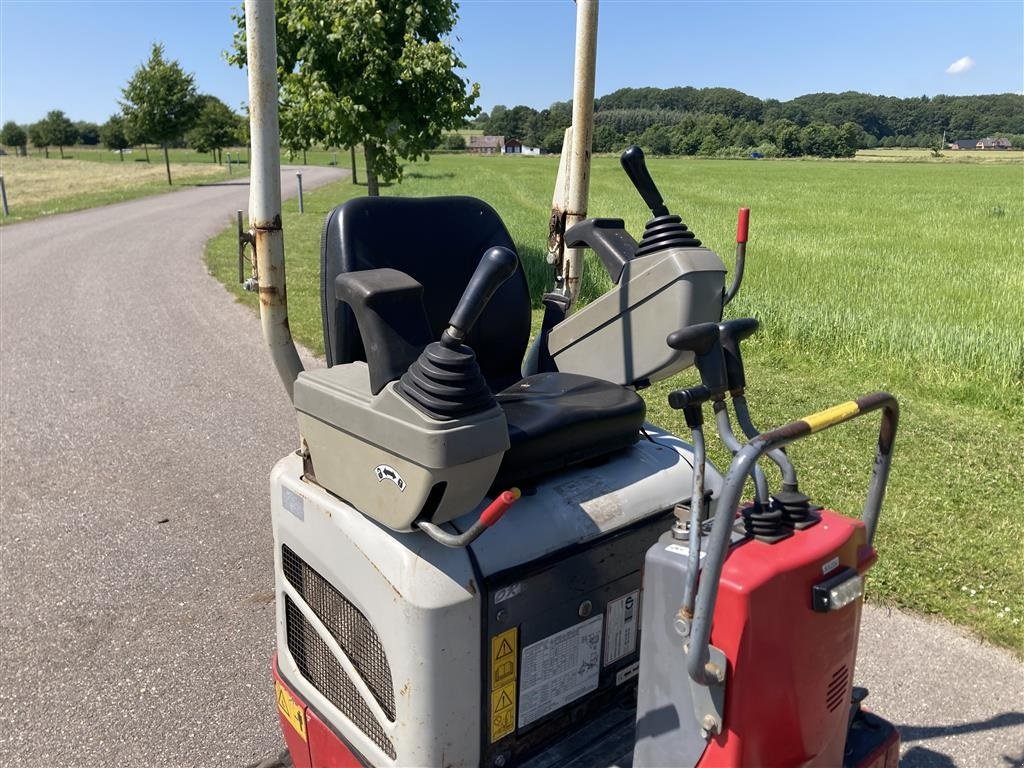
[
  {"x": 347, "y": 625},
  {"x": 319, "y": 666},
  {"x": 836, "y": 692}
]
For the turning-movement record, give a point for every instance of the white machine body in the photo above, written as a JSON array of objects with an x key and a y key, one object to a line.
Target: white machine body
[{"x": 396, "y": 640}]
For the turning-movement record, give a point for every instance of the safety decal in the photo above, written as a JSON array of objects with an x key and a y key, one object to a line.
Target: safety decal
[
  {"x": 560, "y": 669},
  {"x": 384, "y": 471},
  {"x": 504, "y": 666},
  {"x": 290, "y": 710}
]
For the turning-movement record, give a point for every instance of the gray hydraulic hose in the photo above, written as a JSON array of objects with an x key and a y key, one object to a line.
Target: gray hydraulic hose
[{"x": 777, "y": 455}]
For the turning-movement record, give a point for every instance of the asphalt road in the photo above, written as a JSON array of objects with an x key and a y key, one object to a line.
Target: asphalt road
[{"x": 140, "y": 418}]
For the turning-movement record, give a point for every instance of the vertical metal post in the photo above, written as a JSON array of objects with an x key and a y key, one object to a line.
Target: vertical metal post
[
  {"x": 3, "y": 195},
  {"x": 582, "y": 130},
  {"x": 302, "y": 207},
  {"x": 265, "y": 189}
]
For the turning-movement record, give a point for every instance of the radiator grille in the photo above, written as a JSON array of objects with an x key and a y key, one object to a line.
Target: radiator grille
[
  {"x": 319, "y": 666},
  {"x": 836, "y": 692},
  {"x": 347, "y": 625}
]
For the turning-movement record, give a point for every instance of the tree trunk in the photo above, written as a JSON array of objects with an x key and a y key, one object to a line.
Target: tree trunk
[
  {"x": 61, "y": 152},
  {"x": 121, "y": 152},
  {"x": 46, "y": 152},
  {"x": 303, "y": 156},
  {"x": 370, "y": 153},
  {"x": 352, "y": 151},
  {"x": 146, "y": 148},
  {"x": 167, "y": 164},
  {"x": 213, "y": 153}
]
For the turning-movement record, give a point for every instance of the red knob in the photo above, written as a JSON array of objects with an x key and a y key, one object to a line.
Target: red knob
[{"x": 741, "y": 225}]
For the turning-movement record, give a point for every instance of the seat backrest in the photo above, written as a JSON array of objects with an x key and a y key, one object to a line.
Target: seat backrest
[{"x": 438, "y": 241}]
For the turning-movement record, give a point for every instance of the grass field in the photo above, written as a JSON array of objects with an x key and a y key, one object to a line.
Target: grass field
[
  {"x": 865, "y": 276},
  {"x": 38, "y": 187}
]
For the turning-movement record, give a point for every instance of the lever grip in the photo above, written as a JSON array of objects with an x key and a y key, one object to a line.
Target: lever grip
[
  {"x": 634, "y": 165},
  {"x": 703, "y": 340},
  {"x": 731, "y": 333},
  {"x": 496, "y": 266}
]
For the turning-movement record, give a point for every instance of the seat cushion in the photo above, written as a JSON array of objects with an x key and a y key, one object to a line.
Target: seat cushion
[{"x": 558, "y": 419}]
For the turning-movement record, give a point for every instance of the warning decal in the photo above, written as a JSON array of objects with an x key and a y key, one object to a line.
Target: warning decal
[
  {"x": 559, "y": 669},
  {"x": 620, "y": 630},
  {"x": 290, "y": 710},
  {"x": 504, "y": 661}
]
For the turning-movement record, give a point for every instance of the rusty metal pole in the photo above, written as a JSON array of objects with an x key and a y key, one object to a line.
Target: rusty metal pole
[
  {"x": 3, "y": 196},
  {"x": 265, "y": 193},
  {"x": 582, "y": 131}
]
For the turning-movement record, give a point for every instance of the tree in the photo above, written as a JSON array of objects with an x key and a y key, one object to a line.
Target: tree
[
  {"x": 14, "y": 136},
  {"x": 160, "y": 102},
  {"x": 39, "y": 137},
  {"x": 88, "y": 133},
  {"x": 454, "y": 141},
  {"x": 59, "y": 130},
  {"x": 215, "y": 128},
  {"x": 374, "y": 72},
  {"x": 114, "y": 135}
]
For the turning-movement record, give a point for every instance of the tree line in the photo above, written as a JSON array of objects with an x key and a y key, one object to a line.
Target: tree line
[
  {"x": 160, "y": 106},
  {"x": 724, "y": 121}
]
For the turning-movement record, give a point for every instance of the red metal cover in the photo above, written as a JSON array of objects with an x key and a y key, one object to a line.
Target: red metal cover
[{"x": 790, "y": 669}]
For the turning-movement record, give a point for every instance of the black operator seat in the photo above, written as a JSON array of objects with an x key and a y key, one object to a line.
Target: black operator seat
[{"x": 554, "y": 419}]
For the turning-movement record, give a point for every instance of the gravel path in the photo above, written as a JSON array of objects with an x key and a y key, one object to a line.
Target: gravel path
[{"x": 140, "y": 418}]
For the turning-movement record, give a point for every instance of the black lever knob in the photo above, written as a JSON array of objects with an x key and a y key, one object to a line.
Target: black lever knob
[
  {"x": 636, "y": 169},
  {"x": 731, "y": 333},
  {"x": 497, "y": 265},
  {"x": 703, "y": 340}
]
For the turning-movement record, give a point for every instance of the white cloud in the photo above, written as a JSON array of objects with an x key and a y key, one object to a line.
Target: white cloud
[{"x": 960, "y": 65}]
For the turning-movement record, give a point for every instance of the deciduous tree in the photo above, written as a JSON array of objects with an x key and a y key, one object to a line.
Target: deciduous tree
[
  {"x": 59, "y": 130},
  {"x": 160, "y": 102},
  {"x": 13, "y": 136},
  {"x": 380, "y": 73},
  {"x": 114, "y": 135},
  {"x": 215, "y": 128}
]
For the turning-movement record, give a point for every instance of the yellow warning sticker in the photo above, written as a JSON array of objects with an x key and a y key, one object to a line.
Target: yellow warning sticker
[
  {"x": 290, "y": 710},
  {"x": 504, "y": 664}
]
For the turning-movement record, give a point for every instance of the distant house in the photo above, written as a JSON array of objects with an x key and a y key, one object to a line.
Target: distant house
[
  {"x": 994, "y": 143},
  {"x": 516, "y": 147},
  {"x": 486, "y": 145},
  {"x": 987, "y": 143}
]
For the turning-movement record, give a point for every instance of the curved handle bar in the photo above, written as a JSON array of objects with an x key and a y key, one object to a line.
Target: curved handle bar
[{"x": 742, "y": 464}]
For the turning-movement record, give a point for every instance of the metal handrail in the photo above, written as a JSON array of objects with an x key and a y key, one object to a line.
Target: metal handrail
[{"x": 697, "y": 660}]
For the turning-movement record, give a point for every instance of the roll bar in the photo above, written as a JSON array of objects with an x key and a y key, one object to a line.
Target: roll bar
[{"x": 698, "y": 655}]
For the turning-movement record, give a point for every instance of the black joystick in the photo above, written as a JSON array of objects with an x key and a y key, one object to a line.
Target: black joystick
[
  {"x": 635, "y": 166},
  {"x": 732, "y": 332},
  {"x": 664, "y": 230},
  {"x": 445, "y": 381},
  {"x": 497, "y": 265},
  {"x": 703, "y": 340}
]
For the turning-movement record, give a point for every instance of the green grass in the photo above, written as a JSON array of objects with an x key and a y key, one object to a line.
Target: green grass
[
  {"x": 38, "y": 187},
  {"x": 866, "y": 276}
]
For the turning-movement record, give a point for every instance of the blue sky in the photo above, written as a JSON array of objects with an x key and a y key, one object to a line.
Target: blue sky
[{"x": 76, "y": 56}]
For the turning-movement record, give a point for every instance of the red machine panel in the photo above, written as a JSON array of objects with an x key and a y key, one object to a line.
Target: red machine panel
[{"x": 787, "y": 699}]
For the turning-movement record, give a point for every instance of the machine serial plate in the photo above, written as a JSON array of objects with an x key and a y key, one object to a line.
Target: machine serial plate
[{"x": 559, "y": 669}]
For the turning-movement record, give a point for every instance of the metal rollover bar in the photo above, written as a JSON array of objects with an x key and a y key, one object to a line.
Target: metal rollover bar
[{"x": 742, "y": 465}]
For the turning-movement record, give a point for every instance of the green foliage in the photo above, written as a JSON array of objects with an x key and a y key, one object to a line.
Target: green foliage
[
  {"x": 216, "y": 126},
  {"x": 13, "y": 135},
  {"x": 59, "y": 130},
  {"x": 114, "y": 135},
  {"x": 657, "y": 140},
  {"x": 376, "y": 72},
  {"x": 39, "y": 137},
  {"x": 88, "y": 133},
  {"x": 160, "y": 102},
  {"x": 454, "y": 141}
]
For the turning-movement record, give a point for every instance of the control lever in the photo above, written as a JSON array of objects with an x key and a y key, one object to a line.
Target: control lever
[
  {"x": 731, "y": 333},
  {"x": 635, "y": 166},
  {"x": 742, "y": 225},
  {"x": 497, "y": 265},
  {"x": 703, "y": 341}
]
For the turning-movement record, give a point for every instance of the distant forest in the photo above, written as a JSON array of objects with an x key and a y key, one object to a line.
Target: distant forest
[{"x": 726, "y": 122}]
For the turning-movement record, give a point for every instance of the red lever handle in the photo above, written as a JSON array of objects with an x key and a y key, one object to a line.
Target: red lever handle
[
  {"x": 499, "y": 507},
  {"x": 741, "y": 225}
]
